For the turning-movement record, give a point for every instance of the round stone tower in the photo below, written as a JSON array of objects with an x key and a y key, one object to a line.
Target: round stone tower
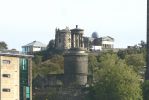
[{"x": 76, "y": 60}]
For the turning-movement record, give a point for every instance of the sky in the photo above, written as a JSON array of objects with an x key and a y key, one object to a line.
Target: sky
[{"x": 23, "y": 21}]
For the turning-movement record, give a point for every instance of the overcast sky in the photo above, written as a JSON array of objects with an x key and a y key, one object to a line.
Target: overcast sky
[{"x": 23, "y": 21}]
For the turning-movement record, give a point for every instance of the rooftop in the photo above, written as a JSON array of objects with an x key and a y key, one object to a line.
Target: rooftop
[
  {"x": 14, "y": 53},
  {"x": 36, "y": 44},
  {"x": 107, "y": 38}
]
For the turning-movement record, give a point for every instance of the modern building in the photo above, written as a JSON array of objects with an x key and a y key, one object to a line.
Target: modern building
[
  {"x": 15, "y": 76},
  {"x": 33, "y": 47},
  {"x": 62, "y": 38}
]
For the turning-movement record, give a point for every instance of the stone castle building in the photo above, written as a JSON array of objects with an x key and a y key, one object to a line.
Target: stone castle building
[
  {"x": 63, "y": 41},
  {"x": 62, "y": 38}
]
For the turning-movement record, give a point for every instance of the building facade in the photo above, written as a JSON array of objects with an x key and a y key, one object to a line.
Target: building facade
[
  {"x": 102, "y": 43},
  {"x": 62, "y": 38},
  {"x": 63, "y": 41},
  {"x": 16, "y": 76},
  {"x": 33, "y": 47}
]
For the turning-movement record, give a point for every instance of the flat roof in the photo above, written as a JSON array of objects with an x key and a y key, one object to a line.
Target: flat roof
[{"x": 14, "y": 54}]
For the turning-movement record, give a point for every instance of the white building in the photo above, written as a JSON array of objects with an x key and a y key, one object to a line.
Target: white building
[
  {"x": 107, "y": 42},
  {"x": 33, "y": 47},
  {"x": 101, "y": 43}
]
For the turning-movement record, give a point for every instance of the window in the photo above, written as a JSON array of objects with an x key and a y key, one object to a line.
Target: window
[
  {"x": 27, "y": 92},
  {"x": 6, "y": 75},
  {"x": 6, "y": 61},
  {"x": 24, "y": 64},
  {"x": 6, "y": 90}
]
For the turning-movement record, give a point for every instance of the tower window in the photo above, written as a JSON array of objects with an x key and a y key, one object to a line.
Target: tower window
[
  {"x": 6, "y": 75},
  {"x": 6, "y": 90}
]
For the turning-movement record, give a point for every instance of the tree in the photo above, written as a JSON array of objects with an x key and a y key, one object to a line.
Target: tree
[
  {"x": 136, "y": 61},
  {"x": 51, "y": 44},
  {"x": 115, "y": 81},
  {"x": 3, "y": 45},
  {"x": 92, "y": 66},
  {"x": 142, "y": 44},
  {"x": 121, "y": 54},
  {"x": 37, "y": 59},
  {"x": 58, "y": 59}
]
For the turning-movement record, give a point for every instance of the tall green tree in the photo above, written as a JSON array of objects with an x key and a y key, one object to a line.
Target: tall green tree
[
  {"x": 142, "y": 44},
  {"x": 136, "y": 61},
  {"x": 3, "y": 45},
  {"x": 92, "y": 66},
  {"x": 37, "y": 59},
  {"x": 51, "y": 44},
  {"x": 115, "y": 81}
]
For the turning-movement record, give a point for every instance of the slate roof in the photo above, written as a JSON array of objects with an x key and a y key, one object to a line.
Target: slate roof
[{"x": 35, "y": 44}]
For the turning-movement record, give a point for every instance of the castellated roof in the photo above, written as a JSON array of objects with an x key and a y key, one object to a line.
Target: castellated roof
[{"x": 65, "y": 30}]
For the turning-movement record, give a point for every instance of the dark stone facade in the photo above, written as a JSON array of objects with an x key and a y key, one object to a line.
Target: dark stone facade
[
  {"x": 76, "y": 67},
  {"x": 76, "y": 60}
]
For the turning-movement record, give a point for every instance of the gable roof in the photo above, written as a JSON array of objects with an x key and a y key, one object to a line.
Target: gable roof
[
  {"x": 107, "y": 38},
  {"x": 35, "y": 44}
]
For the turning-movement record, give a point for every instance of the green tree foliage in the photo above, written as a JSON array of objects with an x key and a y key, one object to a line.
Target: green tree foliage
[
  {"x": 3, "y": 45},
  {"x": 51, "y": 44},
  {"x": 137, "y": 61},
  {"x": 49, "y": 68},
  {"x": 142, "y": 44},
  {"x": 92, "y": 63},
  {"x": 121, "y": 54},
  {"x": 55, "y": 65},
  {"x": 115, "y": 81},
  {"x": 145, "y": 88},
  {"x": 35, "y": 70},
  {"x": 37, "y": 59},
  {"x": 58, "y": 59},
  {"x": 107, "y": 58},
  {"x": 51, "y": 51},
  {"x": 92, "y": 66}
]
